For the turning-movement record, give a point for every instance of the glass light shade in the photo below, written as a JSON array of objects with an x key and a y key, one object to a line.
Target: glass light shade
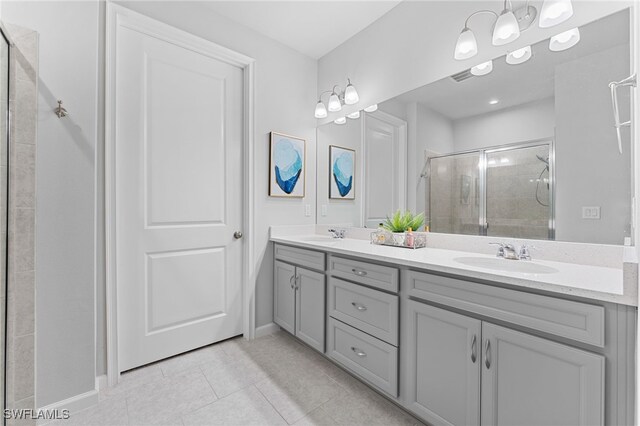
[
  {"x": 350, "y": 95},
  {"x": 340, "y": 120},
  {"x": 565, "y": 40},
  {"x": 519, "y": 56},
  {"x": 321, "y": 110},
  {"x": 555, "y": 12},
  {"x": 482, "y": 69},
  {"x": 334, "y": 103},
  {"x": 467, "y": 46},
  {"x": 506, "y": 29},
  {"x": 372, "y": 108},
  {"x": 354, "y": 115}
]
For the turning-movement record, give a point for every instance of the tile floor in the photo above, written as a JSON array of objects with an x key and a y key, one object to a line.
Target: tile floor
[{"x": 274, "y": 380}]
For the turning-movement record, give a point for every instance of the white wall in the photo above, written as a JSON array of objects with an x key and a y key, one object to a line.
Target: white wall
[
  {"x": 66, "y": 152},
  {"x": 521, "y": 123},
  {"x": 339, "y": 212},
  {"x": 589, "y": 169}
]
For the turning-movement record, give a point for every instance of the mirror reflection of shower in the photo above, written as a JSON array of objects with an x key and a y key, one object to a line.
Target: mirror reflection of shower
[{"x": 541, "y": 179}]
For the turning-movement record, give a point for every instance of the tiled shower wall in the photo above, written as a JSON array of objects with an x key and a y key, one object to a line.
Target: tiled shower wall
[{"x": 22, "y": 202}]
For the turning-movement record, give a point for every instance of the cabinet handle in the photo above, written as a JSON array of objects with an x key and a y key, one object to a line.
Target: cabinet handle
[
  {"x": 359, "y": 272},
  {"x": 474, "y": 349},
  {"x": 358, "y": 352},
  {"x": 487, "y": 354},
  {"x": 359, "y": 307},
  {"x": 296, "y": 282},
  {"x": 291, "y": 281}
]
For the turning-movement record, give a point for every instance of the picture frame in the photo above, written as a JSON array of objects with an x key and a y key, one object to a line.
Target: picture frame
[
  {"x": 342, "y": 173},
  {"x": 287, "y": 166}
]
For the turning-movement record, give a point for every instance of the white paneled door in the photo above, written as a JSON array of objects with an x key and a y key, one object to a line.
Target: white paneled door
[{"x": 178, "y": 180}]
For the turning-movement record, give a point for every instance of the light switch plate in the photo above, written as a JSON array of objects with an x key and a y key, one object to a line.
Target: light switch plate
[
  {"x": 307, "y": 210},
  {"x": 592, "y": 212}
]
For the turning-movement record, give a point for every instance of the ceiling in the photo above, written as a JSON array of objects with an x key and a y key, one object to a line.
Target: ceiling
[
  {"x": 313, "y": 28},
  {"x": 517, "y": 84}
]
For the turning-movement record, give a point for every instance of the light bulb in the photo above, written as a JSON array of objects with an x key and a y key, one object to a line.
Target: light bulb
[
  {"x": 467, "y": 46},
  {"x": 350, "y": 94},
  {"x": 334, "y": 103},
  {"x": 519, "y": 56},
  {"x": 482, "y": 69},
  {"x": 506, "y": 29},
  {"x": 321, "y": 110},
  {"x": 354, "y": 115},
  {"x": 555, "y": 12},
  {"x": 372, "y": 108},
  {"x": 565, "y": 40},
  {"x": 340, "y": 120}
]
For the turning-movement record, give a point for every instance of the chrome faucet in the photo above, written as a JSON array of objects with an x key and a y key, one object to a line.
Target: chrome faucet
[
  {"x": 337, "y": 233},
  {"x": 525, "y": 252},
  {"x": 508, "y": 251}
]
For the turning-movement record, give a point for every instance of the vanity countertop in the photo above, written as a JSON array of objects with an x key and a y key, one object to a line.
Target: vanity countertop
[{"x": 591, "y": 282}]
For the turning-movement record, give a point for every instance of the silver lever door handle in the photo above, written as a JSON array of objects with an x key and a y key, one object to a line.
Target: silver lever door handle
[
  {"x": 359, "y": 306},
  {"x": 358, "y": 352},
  {"x": 487, "y": 354},
  {"x": 474, "y": 349},
  {"x": 237, "y": 235},
  {"x": 359, "y": 273}
]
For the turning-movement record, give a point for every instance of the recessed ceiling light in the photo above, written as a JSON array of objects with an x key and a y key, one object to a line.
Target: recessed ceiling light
[{"x": 493, "y": 101}]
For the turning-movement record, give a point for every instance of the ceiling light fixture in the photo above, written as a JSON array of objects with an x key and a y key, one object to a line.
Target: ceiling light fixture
[
  {"x": 555, "y": 12},
  {"x": 482, "y": 69},
  {"x": 372, "y": 108},
  {"x": 340, "y": 120},
  {"x": 507, "y": 28},
  {"x": 565, "y": 40},
  {"x": 337, "y": 98},
  {"x": 519, "y": 56}
]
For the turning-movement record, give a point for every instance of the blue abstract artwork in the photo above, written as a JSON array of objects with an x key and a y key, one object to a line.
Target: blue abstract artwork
[
  {"x": 287, "y": 166},
  {"x": 342, "y": 172}
]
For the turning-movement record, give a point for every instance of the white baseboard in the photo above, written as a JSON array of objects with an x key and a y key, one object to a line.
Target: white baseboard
[
  {"x": 73, "y": 404},
  {"x": 265, "y": 330},
  {"x": 101, "y": 382}
]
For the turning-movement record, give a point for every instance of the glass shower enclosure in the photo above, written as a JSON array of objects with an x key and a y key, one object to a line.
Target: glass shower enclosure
[{"x": 504, "y": 191}]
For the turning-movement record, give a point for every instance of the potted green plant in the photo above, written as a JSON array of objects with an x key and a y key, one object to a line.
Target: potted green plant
[{"x": 400, "y": 222}]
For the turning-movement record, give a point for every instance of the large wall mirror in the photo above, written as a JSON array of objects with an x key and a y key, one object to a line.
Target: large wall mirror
[{"x": 525, "y": 150}]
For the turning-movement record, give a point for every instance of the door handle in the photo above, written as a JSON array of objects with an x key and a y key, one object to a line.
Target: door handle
[
  {"x": 358, "y": 352},
  {"x": 237, "y": 235},
  {"x": 359, "y": 306},
  {"x": 474, "y": 349},
  {"x": 487, "y": 354}
]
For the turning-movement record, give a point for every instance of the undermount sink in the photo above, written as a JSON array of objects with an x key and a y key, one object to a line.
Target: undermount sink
[{"x": 521, "y": 266}]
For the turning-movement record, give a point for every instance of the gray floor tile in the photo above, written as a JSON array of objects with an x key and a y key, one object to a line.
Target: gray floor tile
[
  {"x": 228, "y": 374},
  {"x": 318, "y": 417}
]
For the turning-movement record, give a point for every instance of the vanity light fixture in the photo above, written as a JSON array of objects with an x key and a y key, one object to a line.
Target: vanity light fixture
[
  {"x": 506, "y": 29},
  {"x": 337, "y": 98},
  {"x": 340, "y": 120},
  {"x": 371, "y": 108},
  {"x": 565, "y": 40},
  {"x": 519, "y": 56},
  {"x": 467, "y": 46},
  {"x": 482, "y": 69},
  {"x": 555, "y": 12},
  {"x": 354, "y": 115}
]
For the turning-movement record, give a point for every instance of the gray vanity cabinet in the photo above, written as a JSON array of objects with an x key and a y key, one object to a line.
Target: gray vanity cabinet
[
  {"x": 299, "y": 303},
  {"x": 528, "y": 380},
  {"x": 461, "y": 371},
  {"x": 443, "y": 372}
]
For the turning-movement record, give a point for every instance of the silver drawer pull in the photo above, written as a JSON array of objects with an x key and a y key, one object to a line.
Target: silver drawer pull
[
  {"x": 359, "y": 307},
  {"x": 359, "y": 272},
  {"x": 358, "y": 352}
]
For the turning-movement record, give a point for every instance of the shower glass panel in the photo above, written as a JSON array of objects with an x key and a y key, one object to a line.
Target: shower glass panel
[
  {"x": 518, "y": 187},
  {"x": 454, "y": 199},
  {"x": 504, "y": 191},
  {"x": 4, "y": 155}
]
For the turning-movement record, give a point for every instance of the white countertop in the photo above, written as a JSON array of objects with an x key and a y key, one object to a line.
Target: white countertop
[{"x": 592, "y": 282}]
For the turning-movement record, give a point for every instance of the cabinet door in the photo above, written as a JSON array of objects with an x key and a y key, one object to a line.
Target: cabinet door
[
  {"x": 284, "y": 297},
  {"x": 527, "y": 380},
  {"x": 442, "y": 380},
  {"x": 310, "y": 308}
]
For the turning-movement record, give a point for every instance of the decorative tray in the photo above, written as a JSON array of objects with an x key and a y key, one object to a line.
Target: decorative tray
[{"x": 410, "y": 240}]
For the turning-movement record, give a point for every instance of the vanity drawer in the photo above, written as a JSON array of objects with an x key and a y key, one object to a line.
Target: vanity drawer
[
  {"x": 382, "y": 277},
  {"x": 369, "y": 310},
  {"x": 574, "y": 320},
  {"x": 370, "y": 358},
  {"x": 299, "y": 256}
]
